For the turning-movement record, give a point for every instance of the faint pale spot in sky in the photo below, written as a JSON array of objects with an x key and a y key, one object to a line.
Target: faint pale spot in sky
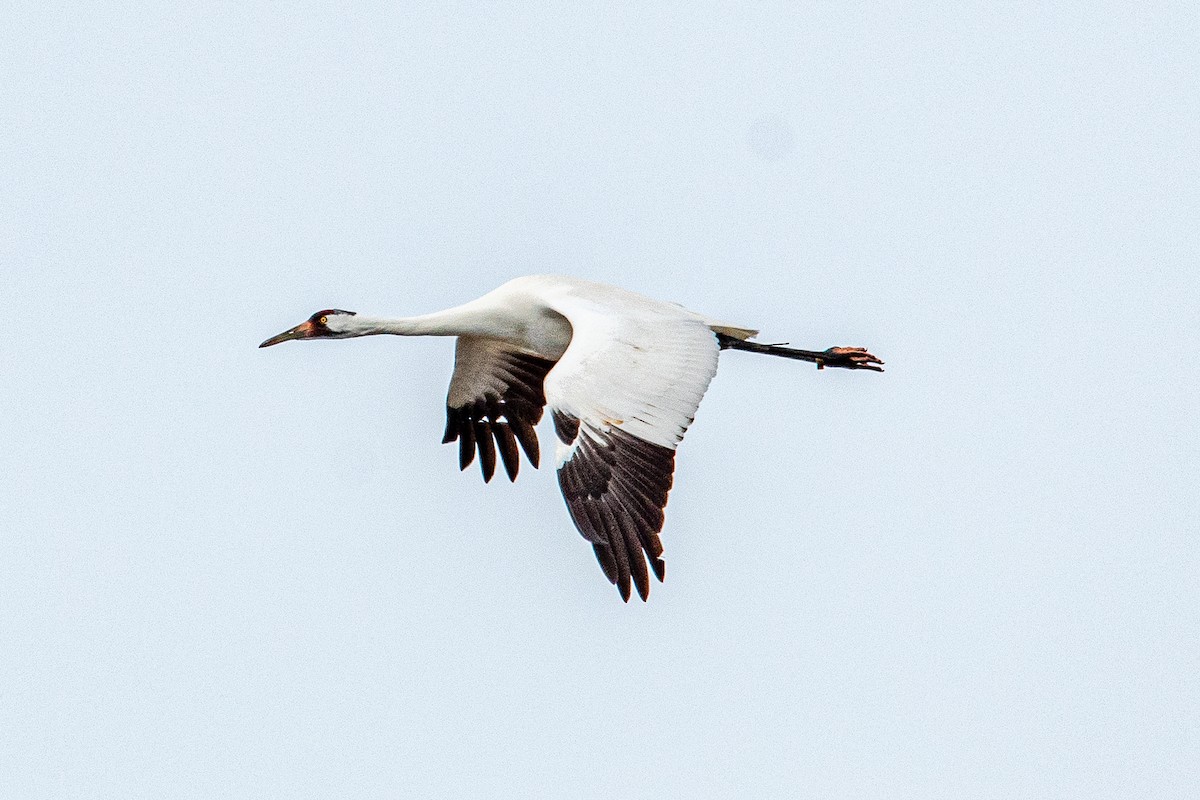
[{"x": 771, "y": 137}]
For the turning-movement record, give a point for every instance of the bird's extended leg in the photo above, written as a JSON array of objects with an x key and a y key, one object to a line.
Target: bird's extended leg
[{"x": 839, "y": 357}]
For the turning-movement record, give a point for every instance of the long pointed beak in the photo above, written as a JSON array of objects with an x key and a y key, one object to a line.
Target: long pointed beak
[{"x": 302, "y": 331}]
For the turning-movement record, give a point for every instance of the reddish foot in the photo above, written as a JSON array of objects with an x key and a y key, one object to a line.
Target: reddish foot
[{"x": 849, "y": 358}]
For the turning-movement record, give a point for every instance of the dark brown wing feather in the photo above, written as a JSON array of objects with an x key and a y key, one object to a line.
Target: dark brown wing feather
[
  {"x": 496, "y": 398},
  {"x": 616, "y": 486}
]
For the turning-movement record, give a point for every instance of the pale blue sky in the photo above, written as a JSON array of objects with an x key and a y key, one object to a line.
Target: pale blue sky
[{"x": 227, "y": 572}]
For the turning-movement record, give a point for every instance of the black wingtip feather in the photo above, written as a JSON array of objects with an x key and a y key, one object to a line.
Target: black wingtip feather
[
  {"x": 506, "y": 444},
  {"x": 607, "y": 564},
  {"x": 617, "y": 542},
  {"x": 451, "y": 426},
  {"x": 637, "y": 563},
  {"x": 466, "y": 444},
  {"x": 527, "y": 438},
  {"x": 487, "y": 450}
]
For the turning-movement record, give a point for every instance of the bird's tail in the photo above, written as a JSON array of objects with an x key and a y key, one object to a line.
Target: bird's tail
[
  {"x": 844, "y": 357},
  {"x": 732, "y": 331}
]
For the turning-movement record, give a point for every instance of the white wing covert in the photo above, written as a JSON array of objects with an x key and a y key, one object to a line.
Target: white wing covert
[{"x": 621, "y": 398}]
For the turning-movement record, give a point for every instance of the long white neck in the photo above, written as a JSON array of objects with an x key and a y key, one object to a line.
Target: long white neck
[
  {"x": 522, "y": 322},
  {"x": 471, "y": 319}
]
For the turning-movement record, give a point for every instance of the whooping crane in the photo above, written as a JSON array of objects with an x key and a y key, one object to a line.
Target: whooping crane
[{"x": 623, "y": 375}]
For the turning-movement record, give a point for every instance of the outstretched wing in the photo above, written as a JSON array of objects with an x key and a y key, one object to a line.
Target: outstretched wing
[
  {"x": 495, "y": 399},
  {"x": 622, "y": 396}
]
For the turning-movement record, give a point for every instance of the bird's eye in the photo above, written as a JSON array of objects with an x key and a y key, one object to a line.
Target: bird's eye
[{"x": 323, "y": 320}]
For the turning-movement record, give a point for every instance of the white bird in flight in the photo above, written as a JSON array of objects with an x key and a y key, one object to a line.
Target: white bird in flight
[{"x": 623, "y": 375}]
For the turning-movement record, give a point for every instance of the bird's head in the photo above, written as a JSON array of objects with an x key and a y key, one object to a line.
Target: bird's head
[{"x": 332, "y": 323}]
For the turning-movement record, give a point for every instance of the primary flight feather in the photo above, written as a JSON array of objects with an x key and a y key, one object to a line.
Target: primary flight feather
[{"x": 622, "y": 374}]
